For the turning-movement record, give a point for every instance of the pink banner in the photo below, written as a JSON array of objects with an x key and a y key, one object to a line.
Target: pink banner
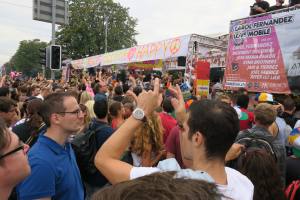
[{"x": 255, "y": 59}]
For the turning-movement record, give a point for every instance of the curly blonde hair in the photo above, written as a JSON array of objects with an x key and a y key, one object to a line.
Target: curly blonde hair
[{"x": 149, "y": 137}]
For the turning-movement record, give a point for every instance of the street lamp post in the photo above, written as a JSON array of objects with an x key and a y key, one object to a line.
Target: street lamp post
[
  {"x": 106, "y": 30},
  {"x": 53, "y": 31}
]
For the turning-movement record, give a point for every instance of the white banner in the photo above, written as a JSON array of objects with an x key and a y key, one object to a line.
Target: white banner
[{"x": 165, "y": 49}]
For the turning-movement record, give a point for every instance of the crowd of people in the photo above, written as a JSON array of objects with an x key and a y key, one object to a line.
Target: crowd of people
[
  {"x": 261, "y": 6},
  {"x": 138, "y": 137}
]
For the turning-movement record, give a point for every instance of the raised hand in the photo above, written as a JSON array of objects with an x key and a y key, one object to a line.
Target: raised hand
[
  {"x": 149, "y": 101},
  {"x": 2, "y": 80},
  {"x": 132, "y": 94},
  {"x": 178, "y": 103}
]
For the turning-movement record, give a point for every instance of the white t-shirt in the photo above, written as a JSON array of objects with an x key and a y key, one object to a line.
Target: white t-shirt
[
  {"x": 136, "y": 160},
  {"x": 297, "y": 125},
  {"x": 239, "y": 187}
]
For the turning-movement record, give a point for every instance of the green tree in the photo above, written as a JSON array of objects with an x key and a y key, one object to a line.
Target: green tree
[
  {"x": 27, "y": 57},
  {"x": 85, "y": 34}
]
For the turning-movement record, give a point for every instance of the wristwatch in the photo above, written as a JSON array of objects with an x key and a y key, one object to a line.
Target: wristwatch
[{"x": 139, "y": 114}]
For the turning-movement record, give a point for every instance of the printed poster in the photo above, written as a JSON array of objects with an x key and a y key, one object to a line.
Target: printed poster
[{"x": 264, "y": 53}]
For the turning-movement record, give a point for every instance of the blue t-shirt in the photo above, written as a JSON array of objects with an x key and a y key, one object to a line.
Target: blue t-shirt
[{"x": 54, "y": 173}]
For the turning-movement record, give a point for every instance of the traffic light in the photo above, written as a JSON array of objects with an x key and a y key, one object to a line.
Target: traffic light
[
  {"x": 43, "y": 56},
  {"x": 55, "y": 57}
]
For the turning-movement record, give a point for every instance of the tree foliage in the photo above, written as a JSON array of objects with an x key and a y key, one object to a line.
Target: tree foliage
[
  {"x": 27, "y": 57},
  {"x": 85, "y": 34}
]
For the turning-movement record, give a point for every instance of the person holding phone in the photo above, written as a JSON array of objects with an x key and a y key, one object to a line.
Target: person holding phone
[{"x": 259, "y": 7}]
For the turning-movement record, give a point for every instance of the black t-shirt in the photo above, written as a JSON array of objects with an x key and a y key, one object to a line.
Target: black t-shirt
[
  {"x": 292, "y": 169},
  {"x": 272, "y": 8},
  {"x": 289, "y": 119},
  {"x": 263, "y": 4},
  {"x": 294, "y": 2},
  {"x": 293, "y": 172},
  {"x": 24, "y": 131}
]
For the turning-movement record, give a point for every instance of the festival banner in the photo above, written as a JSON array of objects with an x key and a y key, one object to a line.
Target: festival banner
[
  {"x": 264, "y": 53},
  {"x": 146, "y": 65},
  {"x": 202, "y": 78},
  {"x": 84, "y": 63},
  {"x": 162, "y": 50}
]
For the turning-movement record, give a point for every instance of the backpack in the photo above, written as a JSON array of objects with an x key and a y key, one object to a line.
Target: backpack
[
  {"x": 258, "y": 142},
  {"x": 251, "y": 141},
  {"x": 292, "y": 189},
  {"x": 85, "y": 148}
]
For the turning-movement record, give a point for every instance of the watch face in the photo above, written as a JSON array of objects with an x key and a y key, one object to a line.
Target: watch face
[{"x": 139, "y": 114}]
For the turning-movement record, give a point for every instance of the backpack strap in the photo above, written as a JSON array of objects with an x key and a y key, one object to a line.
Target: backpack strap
[
  {"x": 290, "y": 192},
  {"x": 29, "y": 140},
  {"x": 98, "y": 128},
  {"x": 33, "y": 136}
]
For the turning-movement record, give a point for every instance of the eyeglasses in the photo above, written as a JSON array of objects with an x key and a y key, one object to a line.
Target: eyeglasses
[
  {"x": 82, "y": 107},
  {"x": 22, "y": 147},
  {"x": 77, "y": 112}
]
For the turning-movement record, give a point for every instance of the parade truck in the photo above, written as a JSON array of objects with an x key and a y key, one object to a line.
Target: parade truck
[
  {"x": 264, "y": 53},
  {"x": 175, "y": 54}
]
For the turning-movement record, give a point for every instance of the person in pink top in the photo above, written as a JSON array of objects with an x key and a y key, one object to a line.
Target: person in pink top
[{"x": 88, "y": 87}]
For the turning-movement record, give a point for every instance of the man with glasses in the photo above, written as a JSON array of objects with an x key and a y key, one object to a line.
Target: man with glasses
[
  {"x": 14, "y": 165},
  {"x": 9, "y": 111},
  {"x": 55, "y": 174},
  {"x": 100, "y": 90}
]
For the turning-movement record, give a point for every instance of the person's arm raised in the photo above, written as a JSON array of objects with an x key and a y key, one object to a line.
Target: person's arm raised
[
  {"x": 2, "y": 81},
  {"x": 99, "y": 76},
  {"x": 133, "y": 81},
  {"x": 107, "y": 159},
  {"x": 178, "y": 104}
]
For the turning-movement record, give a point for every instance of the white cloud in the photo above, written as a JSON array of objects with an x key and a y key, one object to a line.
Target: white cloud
[
  {"x": 4, "y": 57},
  {"x": 16, "y": 24},
  {"x": 161, "y": 19}
]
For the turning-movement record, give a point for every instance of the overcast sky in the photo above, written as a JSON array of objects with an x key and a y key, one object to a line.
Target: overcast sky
[{"x": 157, "y": 20}]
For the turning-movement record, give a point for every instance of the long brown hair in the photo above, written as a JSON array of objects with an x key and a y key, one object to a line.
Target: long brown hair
[
  {"x": 34, "y": 119},
  {"x": 260, "y": 167},
  {"x": 149, "y": 137}
]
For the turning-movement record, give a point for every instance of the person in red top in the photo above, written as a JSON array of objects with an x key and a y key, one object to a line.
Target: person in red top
[
  {"x": 173, "y": 146},
  {"x": 167, "y": 120},
  {"x": 247, "y": 117}
]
